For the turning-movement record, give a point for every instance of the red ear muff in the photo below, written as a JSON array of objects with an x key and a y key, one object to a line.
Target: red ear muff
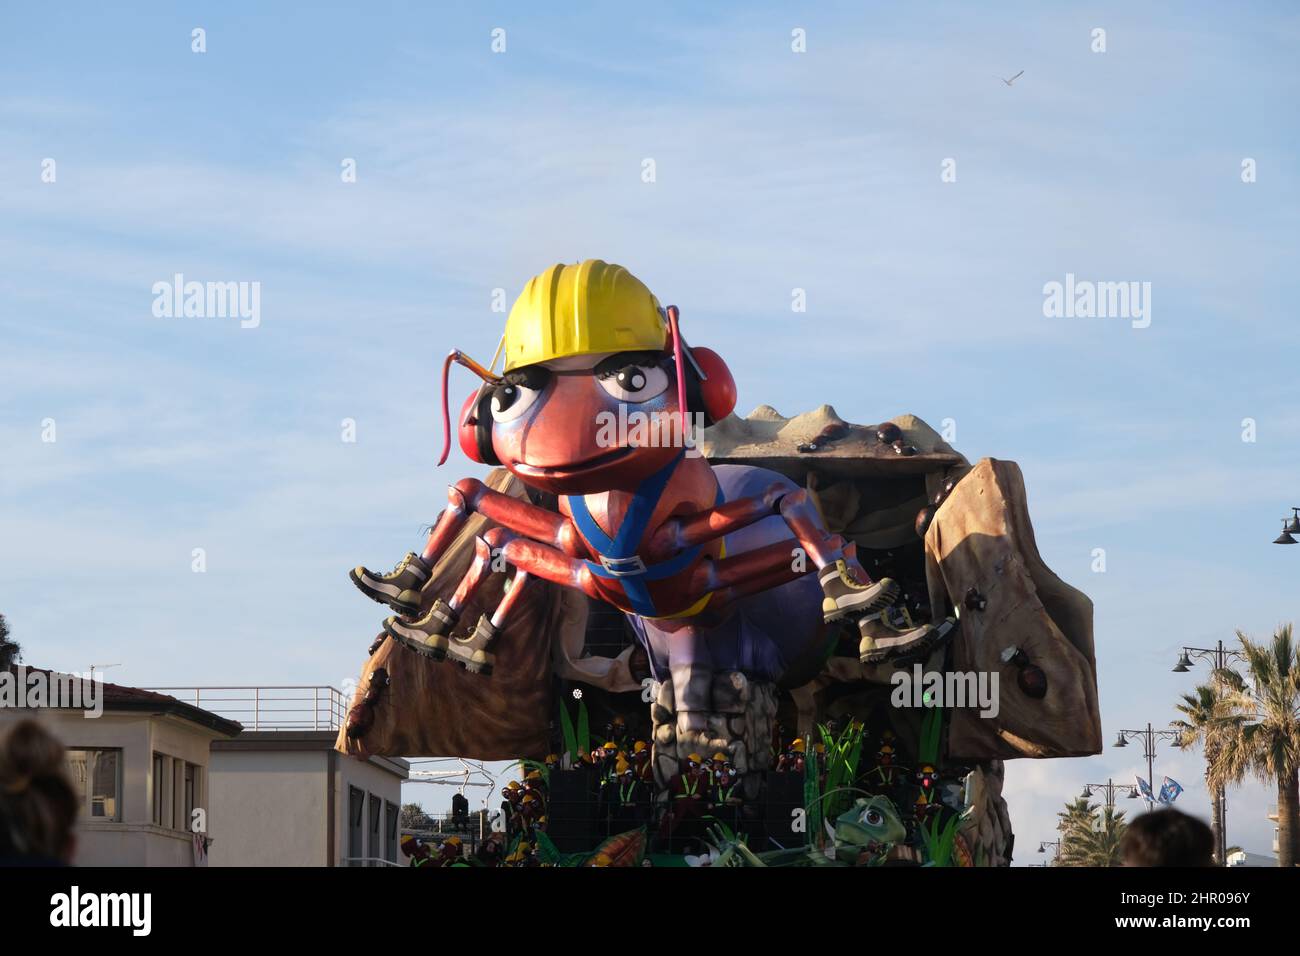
[
  {"x": 467, "y": 428},
  {"x": 483, "y": 430},
  {"x": 703, "y": 379},
  {"x": 474, "y": 433},
  {"x": 717, "y": 393}
]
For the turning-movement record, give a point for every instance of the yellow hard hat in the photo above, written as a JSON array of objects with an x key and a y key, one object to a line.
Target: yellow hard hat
[
  {"x": 622, "y": 766},
  {"x": 797, "y": 746},
  {"x": 638, "y": 746},
  {"x": 453, "y": 841},
  {"x": 582, "y": 309},
  {"x": 695, "y": 757},
  {"x": 720, "y": 756}
]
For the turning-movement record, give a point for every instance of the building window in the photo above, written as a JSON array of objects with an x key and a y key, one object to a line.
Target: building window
[
  {"x": 159, "y": 776},
  {"x": 177, "y": 792},
  {"x": 376, "y": 847},
  {"x": 356, "y": 810},
  {"x": 392, "y": 815},
  {"x": 191, "y": 795},
  {"x": 97, "y": 775}
]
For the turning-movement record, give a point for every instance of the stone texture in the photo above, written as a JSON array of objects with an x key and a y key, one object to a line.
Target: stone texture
[
  {"x": 981, "y": 540},
  {"x": 738, "y": 723},
  {"x": 987, "y": 829}
]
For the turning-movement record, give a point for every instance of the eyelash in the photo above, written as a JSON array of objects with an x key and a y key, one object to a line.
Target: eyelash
[
  {"x": 530, "y": 380},
  {"x": 612, "y": 373}
]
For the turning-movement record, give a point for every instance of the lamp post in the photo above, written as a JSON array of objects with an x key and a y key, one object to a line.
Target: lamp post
[
  {"x": 1110, "y": 786},
  {"x": 1221, "y": 657},
  {"x": 1219, "y": 654},
  {"x": 1056, "y": 850},
  {"x": 1148, "y": 738},
  {"x": 1290, "y": 527}
]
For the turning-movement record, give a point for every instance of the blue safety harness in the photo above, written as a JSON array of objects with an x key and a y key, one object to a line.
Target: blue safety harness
[{"x": 618, "y": 555}]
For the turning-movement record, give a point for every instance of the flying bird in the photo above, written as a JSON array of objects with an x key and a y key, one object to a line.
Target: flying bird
[{"x": 1013, "y": 79}]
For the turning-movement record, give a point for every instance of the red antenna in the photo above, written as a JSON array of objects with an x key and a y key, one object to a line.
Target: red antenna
[
  {"x": 681, "y": 369},
  {"x": 460, "y": 358}
]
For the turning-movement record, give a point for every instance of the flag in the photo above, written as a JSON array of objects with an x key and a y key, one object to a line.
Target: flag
[
  {"x": 1145, "y": 789},
  {"x": 1169, "y": 790}
]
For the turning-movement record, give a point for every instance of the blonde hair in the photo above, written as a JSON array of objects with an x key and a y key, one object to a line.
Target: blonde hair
[{"x": 38, "y": 803}]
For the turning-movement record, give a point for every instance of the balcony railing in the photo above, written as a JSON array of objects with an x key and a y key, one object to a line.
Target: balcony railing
[{"x": 282, "y": 707}]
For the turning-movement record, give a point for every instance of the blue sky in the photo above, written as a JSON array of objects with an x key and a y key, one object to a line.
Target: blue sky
[{"x": 774, "y": 170}]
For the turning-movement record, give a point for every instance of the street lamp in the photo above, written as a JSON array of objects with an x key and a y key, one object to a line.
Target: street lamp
[
  {"x": 1054, "y": 844},
  {"x": 1110, "y": 786},
  {"x": 1148, "y": 738},
  {"x": 1290, "y": 526},
  {"x": 1220, "y": 656}
]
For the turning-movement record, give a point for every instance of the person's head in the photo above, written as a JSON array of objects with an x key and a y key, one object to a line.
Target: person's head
[
  {"x": 1167, "y": 838},
  {"x": 38, "y": 804}
]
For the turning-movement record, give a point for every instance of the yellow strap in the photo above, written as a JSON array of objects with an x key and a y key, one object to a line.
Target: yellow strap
[{"x": 699, "y": 605}]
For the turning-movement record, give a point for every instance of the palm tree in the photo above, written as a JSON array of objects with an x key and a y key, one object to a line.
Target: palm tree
[
  {"x": 1204, "y": 710},
  {"x": 1076, "y": 827},
  {"x": 1101, "y": 846},
  {"x": 1090, "y": 835},
  {"x": 1262, "y": 730}
]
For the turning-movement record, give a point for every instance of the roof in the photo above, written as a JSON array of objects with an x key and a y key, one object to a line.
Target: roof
[
  {"x": 119, "y": 698},
  {"x": 305, "y": 740}
]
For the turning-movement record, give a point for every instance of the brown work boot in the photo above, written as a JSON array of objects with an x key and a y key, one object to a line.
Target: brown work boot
[
  {"x": 471, "y": 652},
  {"x": 845, "y": 594},
  {"x": 891, "y": 634},
  {"x": 399, "y": 588},
  {"x": 428, "y": 635}
]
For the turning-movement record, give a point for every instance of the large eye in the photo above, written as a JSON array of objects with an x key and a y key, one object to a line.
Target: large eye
[
  {"x": 512, "y": 399},
  {"x": 635, "y": 383},
  {"x": 873, "y": 817}
]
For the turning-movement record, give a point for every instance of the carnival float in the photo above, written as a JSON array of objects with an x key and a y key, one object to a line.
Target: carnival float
[{"x": 694, "y": 647}]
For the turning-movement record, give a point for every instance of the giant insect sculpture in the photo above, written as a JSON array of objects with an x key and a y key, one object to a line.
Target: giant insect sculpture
[{"x": 713, "y": 565}]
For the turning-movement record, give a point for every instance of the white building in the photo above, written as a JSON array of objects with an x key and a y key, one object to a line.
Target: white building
[
  {"x": 283, "y": 796},
  {"x": 142, "y": 767},
  {"x": 252, "y": 769},
  {"x": 288, "y": 798},
  {"x": 1242, "y": 858}
]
